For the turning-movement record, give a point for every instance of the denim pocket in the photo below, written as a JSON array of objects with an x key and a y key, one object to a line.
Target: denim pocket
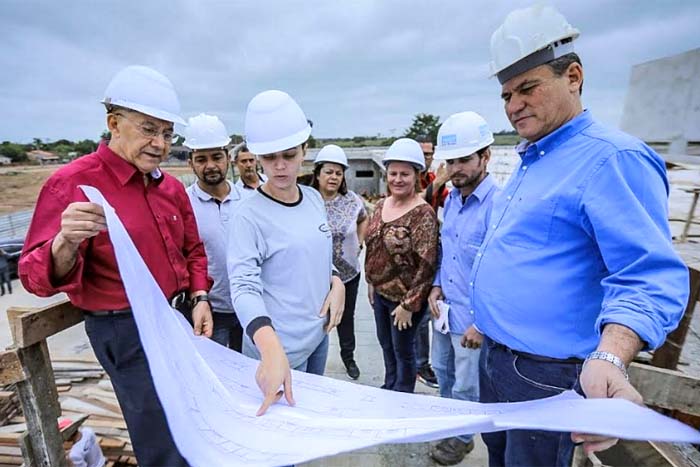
[{"x": 552, "y": 377}]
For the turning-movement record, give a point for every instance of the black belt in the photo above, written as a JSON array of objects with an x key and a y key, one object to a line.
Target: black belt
[
  {"x": 537, "y": 358},
  {"x": 176, "y": 302}
]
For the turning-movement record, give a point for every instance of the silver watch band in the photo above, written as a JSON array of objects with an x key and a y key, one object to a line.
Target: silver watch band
[{"x": 609, "y": 357}]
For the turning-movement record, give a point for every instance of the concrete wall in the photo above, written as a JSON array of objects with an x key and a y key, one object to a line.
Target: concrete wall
[{"x": 663, "y": 101}]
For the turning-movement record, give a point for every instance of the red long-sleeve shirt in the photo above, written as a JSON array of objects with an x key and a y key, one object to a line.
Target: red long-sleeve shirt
[{"x": 158, "y": 217}]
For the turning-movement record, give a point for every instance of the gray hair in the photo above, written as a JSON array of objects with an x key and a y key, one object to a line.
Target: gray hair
[{"x": 240, "y": 147}]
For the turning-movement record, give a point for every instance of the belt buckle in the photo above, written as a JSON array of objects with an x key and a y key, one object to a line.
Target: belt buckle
[{"x": 178, "y": 300}]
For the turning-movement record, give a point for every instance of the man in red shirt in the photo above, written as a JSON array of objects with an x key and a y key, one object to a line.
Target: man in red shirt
[
  {"x": 67, "y": 248},
  {"x": 432, "y": 183}
]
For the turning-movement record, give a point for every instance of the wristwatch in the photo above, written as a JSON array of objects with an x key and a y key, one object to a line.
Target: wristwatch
[
  {"x": 608, "y": 357},
  {"x": 200, "y": 298}
]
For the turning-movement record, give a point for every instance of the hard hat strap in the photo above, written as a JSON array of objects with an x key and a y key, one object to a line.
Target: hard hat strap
[{"x": 535, "y": 59}]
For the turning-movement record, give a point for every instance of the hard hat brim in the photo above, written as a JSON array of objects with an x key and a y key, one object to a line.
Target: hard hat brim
[
  {"x": 215, "y": 145},
  {"x": 420, "y": 167},
  {"x": 146, "y": 110},
  {"x": 281, "y": 144},
  {"x": 328, "y": 161},
  {"x": 457, "y": 153}
]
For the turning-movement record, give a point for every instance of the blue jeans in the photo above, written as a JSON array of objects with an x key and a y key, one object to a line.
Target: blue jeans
[
  {"x": 505, "y": 376},
  {"x": 457, "y": 370},
  {"x": 227, "y": 330},
  {"x": 398, "y": 347},
  {"x": 117, "y": 347},
  {"x": 316, "y": 363},
  {"x": 423, "y": 341}
]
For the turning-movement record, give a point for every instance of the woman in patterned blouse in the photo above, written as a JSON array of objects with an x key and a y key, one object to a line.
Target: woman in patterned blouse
[
  {"x": 400, "y": 265},
  {"x": 348, "y": 221}
]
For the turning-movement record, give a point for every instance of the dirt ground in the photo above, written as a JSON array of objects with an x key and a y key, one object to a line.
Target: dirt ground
[{"x": 20, "y": 185}]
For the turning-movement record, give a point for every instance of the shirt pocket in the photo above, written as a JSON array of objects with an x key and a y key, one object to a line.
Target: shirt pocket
[
  {"x": 176, "y": 226},
  {"x": 531, "y": 226}
]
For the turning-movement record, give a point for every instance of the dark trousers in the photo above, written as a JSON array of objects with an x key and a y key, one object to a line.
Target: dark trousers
[
  {"x": 116, "y": 343},
  {"x": 227, "y": 331},
  {"x": 346, "y": 328},
  {"x": 398, "y": 347},
  {"x": 505, "y": 376},
  {"x": 423, "y": 341},
  {"x": 5, "y": 279}
]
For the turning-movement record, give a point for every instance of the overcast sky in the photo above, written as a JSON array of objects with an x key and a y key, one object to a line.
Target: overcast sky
[{"x": 357, "y": 67}]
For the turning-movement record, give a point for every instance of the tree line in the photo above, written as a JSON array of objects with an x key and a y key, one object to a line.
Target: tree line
[{"x": 424, "y": 125}]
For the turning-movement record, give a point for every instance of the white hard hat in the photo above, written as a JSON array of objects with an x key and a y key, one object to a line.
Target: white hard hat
[
  {"x": 145, "y": 90},
  {"x": 275, "y": 122},
  {"x": 461, "y": 135},
  {"x": 405, "y": 150},
  {"x": 332, "y": 153},
  {"x": 206, "y": 132},
  {"x": 528, "y": 38}
]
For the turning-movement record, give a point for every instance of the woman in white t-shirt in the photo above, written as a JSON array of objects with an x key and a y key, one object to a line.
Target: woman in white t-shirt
[{"x": 283, "y": 287}]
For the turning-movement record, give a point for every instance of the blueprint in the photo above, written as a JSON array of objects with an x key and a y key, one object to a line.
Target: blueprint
[{"x": 210, "y": 396}]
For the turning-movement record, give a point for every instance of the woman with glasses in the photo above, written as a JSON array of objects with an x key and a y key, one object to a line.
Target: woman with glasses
[{"x": 347, "y": 218}]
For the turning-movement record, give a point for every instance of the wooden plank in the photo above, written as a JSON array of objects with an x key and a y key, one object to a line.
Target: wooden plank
[
  {"x": 40, "y": 406},
  {"x": 27, "y": 452},
  {"x": 667, "y": 355},
  {"x": 78, "y": 405},
  {"x": 14, "y": 428},
  {"x": 677, "y": 454},
  {"x": 32, "y": 325},
  {"x": 668, "y": 389},
  {"x": 10, "y": 460},
  {"x": 10, "y": 368}
]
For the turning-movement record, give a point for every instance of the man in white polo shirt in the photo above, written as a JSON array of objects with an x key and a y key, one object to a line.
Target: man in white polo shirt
[
  {"x": 249, "y": 177},
  {"x": 214, "y": 200}
]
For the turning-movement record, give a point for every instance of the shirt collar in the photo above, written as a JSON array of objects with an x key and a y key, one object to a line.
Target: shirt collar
[
  {"x": 562, "y": 134},
  {"x": 481, "y": 191},
  {"x": 121, "y": 168},
  {"x": 204, "y": 196},
  {"x": 261, "y": 178}
]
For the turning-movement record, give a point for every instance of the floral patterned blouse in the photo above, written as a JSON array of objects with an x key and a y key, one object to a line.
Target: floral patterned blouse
[
  {"x": 344, "y": 213},
  {"x": 402, "y": 255}
]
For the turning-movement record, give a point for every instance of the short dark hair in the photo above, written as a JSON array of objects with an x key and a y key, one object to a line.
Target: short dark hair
[
  {"x": 424, "y": 139},
  {"x": 237, "y": 149},
  {"x": 343, "y": 190},
  {"x": 561, "y": 64}
]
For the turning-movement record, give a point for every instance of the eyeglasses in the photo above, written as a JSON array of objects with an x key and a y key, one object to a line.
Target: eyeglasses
[{"x": 150, "y": 131}]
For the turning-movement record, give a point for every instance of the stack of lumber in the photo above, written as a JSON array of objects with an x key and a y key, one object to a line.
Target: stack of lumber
[
  {"x": 87, "y": 398},
  {"x": 9, "y": 405}
]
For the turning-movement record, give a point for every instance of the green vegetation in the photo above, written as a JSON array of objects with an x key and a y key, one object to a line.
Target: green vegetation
[
  {"x": 63, "y": 148},
  {"x": 424, "y": 126}
]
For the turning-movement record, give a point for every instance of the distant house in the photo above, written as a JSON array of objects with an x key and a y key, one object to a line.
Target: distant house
[
  {"x": 366, "y": 172},
  {"x": 5, "y": 160},
  {"x": 43, "y": 157}
]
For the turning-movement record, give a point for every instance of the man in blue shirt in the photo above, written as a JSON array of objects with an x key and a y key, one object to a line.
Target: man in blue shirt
[
  {"x": 464, "y": 141},
  {"x": 577, "y": 272}
]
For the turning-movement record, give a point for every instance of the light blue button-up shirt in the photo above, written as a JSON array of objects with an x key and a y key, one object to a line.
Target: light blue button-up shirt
[
  {"x": 213, "y": 223},
  {"x": 579, "y": 238},
  {"x": 463, "y": 230}
]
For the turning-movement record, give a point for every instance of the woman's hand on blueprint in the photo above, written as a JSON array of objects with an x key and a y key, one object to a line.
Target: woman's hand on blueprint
[{"x": 274, "y": 376}]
